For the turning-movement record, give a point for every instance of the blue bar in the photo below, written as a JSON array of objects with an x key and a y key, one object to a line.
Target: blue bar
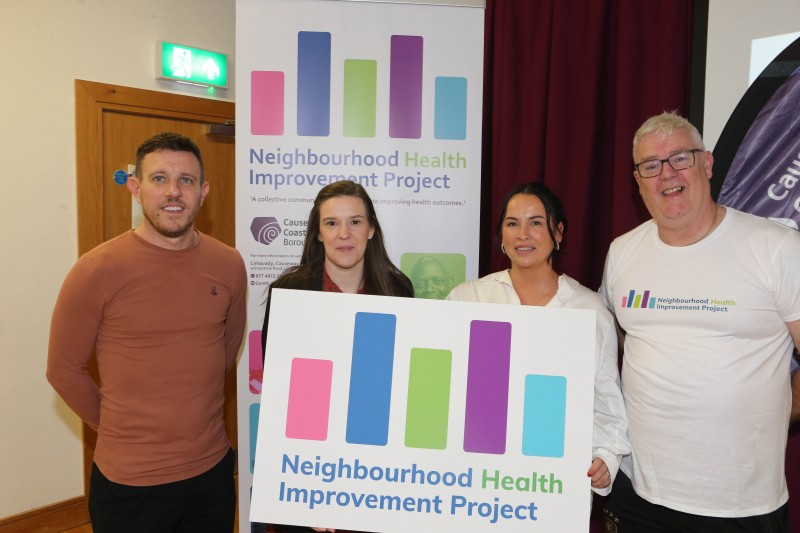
[
  {"x": 313, "y": 83},
  {"x": 544, "y": 416},
  {"x": 450, "y": 108},
  {"x": 630, "y": 298},
  {"x": 371, "y": 379}
]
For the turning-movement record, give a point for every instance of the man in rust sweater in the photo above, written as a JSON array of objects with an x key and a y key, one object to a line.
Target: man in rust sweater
[{"x": 163, "y": 308}]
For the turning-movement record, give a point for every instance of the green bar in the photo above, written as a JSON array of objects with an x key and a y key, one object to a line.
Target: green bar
[
  {"x": 360, "y": 97},
  {"x": 428, "y": 398}
]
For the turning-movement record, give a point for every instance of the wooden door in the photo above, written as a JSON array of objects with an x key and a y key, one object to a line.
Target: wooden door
[{"x": 111, "y": 122}]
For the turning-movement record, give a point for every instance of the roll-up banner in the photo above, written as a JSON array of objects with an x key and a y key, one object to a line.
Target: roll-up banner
[
  {"x": 387, "y": 94},
  {"x": 757, "y": 157}
]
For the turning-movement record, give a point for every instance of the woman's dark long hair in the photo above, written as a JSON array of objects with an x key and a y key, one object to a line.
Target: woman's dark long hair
[{"x": 381, "y": 277}]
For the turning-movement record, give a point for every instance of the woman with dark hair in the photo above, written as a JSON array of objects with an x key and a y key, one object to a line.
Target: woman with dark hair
[
  {"x": 531, "y": 229},
  {"x": 343, "y": 252}
]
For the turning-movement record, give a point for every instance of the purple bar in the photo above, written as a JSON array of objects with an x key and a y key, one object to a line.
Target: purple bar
[
  {"x": 405, "y": 87},
  {"x": 645, "y": 298},
  {"x": 487, "y": 387},
  {"x": 266, "y": 102}
]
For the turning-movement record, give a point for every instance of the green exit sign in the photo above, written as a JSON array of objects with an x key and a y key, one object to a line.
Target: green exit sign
[{"x": 191, "y": 65}]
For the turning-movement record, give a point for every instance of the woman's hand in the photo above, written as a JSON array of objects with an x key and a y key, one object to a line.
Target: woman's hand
[{"x": 601, "y": 477}]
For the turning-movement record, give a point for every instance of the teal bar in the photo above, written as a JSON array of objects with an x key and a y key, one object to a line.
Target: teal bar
[
  {"x": 255, "y": 410},
  {"x": 544, "y": 416},
  {"x": 360, "y": 97},
  {"x": 450, "y": 108},
  {"x": 428, "y": 406}
]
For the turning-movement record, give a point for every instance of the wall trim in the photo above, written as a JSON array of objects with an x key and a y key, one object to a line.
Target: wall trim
[{"x": 49, "y": 519}]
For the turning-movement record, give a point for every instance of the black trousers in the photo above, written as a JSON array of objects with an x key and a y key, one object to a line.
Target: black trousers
[
  {"x": 627, "y": 512},
  {"x": 202, "y": 504}
]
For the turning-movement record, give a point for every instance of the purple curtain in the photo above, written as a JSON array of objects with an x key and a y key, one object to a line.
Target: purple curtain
[
  {"x": 567, "y": 83},
  {"x": 565, "y": 90}
]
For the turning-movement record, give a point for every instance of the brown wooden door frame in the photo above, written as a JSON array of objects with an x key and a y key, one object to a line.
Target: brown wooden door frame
[{"x": 92, "y": 99}]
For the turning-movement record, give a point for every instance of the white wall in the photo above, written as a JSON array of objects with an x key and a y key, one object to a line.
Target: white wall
[
  {"x": 732, "y": 26},
  {"x": 46, "y": 45}
]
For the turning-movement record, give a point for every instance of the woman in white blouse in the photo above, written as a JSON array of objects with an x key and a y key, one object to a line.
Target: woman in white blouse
[{"x": 530, "y": 230}]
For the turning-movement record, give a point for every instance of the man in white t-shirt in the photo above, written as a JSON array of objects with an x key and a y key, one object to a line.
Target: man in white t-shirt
[{"x": 707, "y": 297}]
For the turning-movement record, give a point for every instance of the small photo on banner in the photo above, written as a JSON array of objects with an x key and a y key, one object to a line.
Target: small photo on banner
[{"x": 434, "y": 275}]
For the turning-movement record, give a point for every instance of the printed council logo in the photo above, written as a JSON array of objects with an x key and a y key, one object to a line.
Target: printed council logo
[{"x": 265, "y": 229}]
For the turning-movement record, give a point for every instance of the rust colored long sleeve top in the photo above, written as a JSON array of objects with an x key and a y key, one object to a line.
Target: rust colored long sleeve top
[{"x": 166, "y": 327}]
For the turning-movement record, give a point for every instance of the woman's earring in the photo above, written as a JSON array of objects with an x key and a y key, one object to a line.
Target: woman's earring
[
  {"x": 558, "y": 246},
  {"x": 503, "y": 248}
]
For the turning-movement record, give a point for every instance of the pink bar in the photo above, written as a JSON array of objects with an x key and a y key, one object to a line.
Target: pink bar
[
  {"x": 266, "y": 102},
  {"x": 309, "y": 399},
  {"x": 256, "y": 360}
]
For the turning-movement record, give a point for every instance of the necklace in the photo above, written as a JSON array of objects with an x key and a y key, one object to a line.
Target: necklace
[{"x": 708, "y": 231}]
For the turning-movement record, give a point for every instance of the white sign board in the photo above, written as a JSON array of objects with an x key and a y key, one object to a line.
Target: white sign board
[{"x": 393, "y": 414}]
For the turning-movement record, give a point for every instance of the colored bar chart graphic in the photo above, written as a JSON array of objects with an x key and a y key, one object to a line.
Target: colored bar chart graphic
[
  {"x": 487, "y": 387},
  {"x": 544, "y": 416},
  {"x": 253, "y": 414},
  {"x": 450, "y": 120},
  {"x": 267, "y": 103},
  {"x": 428, "y": 394},
  {"x": 639, "y": 301},
  {"x": 428, "y": 408},
  {"x": 309, "y": 399},
  {"x": 361, "y": 90},
  {"x": 371, "y": 379},
  {"x": 255, "y": 361},
  {"x": 360, "y": 97},
  {"x": 405, "y": 87},
  {"x": 313, "y": 83}
]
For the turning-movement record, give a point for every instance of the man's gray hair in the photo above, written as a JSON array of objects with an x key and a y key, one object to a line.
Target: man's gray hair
[{"x": 662, "y": 125}]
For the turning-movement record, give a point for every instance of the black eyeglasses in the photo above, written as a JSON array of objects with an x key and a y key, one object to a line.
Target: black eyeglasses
[{"x": 680, "y": 161}]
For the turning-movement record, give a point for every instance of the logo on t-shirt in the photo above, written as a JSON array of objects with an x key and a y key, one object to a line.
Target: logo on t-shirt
[{"x": 645, "y": 300}]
